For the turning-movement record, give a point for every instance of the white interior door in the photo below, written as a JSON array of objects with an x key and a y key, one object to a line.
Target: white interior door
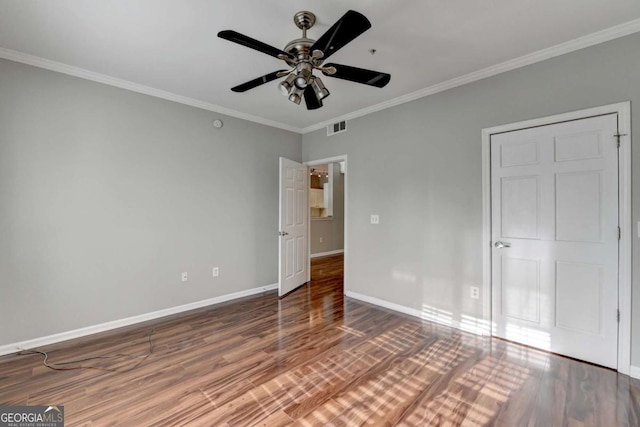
[
  {"x": 294, "y": 211},
  {"x": 554, "y": 208}
]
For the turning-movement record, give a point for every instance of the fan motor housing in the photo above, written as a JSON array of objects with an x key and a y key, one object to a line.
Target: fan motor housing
[{"x": 299, "y": 47}]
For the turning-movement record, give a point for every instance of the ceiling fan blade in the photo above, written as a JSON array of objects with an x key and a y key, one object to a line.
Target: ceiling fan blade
[
  {"x": 234, "y": 36},
  {"x": 310, "y": 98},
  {"x": 256, "y": 82},
  {"x": 359, "y": 75},
  {"x": 347, "y": 28}
]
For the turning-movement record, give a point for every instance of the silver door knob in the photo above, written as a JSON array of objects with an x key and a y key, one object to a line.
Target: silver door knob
[
  {"x": 501, "y": 245},
  {"x": 283, "y": 233}
]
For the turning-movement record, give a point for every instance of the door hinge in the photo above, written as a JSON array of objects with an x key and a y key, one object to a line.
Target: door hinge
[
  {"x": 618, "y": 316},
  {"x": 617, "y": 136},
  {"x": 619, "y": 233}
]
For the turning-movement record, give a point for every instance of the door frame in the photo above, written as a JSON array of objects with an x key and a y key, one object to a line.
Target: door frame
[
  {"x": 623, "y": 110},
  {"x": 335, "y": 159}
]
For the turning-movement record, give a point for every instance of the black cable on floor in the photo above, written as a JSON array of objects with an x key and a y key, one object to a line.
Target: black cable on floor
[{"x": 60, "y": 365}]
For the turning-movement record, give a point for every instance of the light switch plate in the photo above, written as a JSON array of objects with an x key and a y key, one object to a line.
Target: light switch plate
[{"x": 375, "y": 219}]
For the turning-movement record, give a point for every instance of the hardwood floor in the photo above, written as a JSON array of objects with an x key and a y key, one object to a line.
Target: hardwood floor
[{"x": 316, "y": 358}]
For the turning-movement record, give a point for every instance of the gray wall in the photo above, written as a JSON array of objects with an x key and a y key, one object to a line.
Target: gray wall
[
  {"x": 418, "y": 166},
  {"x": 331, "y": 230},
  {"x": 106, "y": 196}
]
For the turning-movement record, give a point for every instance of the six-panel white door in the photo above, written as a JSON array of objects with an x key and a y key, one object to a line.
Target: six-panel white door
[
  {"x": 554, "y": 192},
  {"x": 294, "y": 210}
]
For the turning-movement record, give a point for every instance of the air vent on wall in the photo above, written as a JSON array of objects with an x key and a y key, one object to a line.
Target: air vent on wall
[{"x": 337, "y": 128}]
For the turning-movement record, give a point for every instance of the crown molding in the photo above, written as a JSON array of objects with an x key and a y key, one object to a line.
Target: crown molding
[
  {"x": 541, "y": 55},
  {"x": 13, "y": 55}
]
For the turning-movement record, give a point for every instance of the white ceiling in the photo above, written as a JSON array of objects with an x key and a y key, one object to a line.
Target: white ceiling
[{"x": 171, "y": 45}]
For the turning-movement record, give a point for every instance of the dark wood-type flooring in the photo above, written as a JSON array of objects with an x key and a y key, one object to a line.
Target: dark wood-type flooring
[{"x": 316, "y": 358}]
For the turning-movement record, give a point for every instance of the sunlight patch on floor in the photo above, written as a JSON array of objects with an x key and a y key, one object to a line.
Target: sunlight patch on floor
[{"x": 473, "y": 398}]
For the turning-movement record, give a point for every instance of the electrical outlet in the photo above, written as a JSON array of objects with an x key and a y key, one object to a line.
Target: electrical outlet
[
  {"x": 216, "y": 271},
  {"x": 185, "y": 276},
  {"x": 475, "y": 292},
  {"x": 321, "y": 239},
  {"x": 375, "y": 219}
]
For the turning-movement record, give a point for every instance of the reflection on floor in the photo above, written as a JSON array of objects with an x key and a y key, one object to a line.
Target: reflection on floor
[{"x": 316, "y": 358}]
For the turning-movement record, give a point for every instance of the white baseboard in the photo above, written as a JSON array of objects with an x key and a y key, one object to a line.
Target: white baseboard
[
  {"x": 319, "y": 254},
  {"x": 77, "y": 333},
  {"x": 634, "y": 372},
  {"x": 477, "y": 326}
]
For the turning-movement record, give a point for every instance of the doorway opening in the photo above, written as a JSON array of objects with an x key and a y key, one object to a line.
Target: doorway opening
[{"x": 327, "y": 219}]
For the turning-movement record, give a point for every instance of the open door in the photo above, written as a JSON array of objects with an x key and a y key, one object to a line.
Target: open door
[{"x": 294, "y": 211}]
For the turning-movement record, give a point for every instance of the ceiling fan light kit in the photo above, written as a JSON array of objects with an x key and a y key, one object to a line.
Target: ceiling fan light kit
[
  {"x": 319, "y": 89},
  {"x": 287, "y": 84},
  {"x": 295, "y": 96},
  {"x": 304, "y": 55}
]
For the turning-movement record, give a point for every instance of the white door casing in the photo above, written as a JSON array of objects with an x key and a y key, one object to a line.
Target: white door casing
[
  {"x": 293, "y": 221},
  {"x": 554, "y": 200}
]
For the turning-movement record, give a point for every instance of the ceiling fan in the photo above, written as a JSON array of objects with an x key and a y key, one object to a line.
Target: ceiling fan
[{"x": 304, "y": 55}]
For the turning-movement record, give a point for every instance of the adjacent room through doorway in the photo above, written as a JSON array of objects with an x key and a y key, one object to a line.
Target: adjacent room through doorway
[
  {"x": 326, "y": 209},
  {"x": 326, "y": 223}
]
